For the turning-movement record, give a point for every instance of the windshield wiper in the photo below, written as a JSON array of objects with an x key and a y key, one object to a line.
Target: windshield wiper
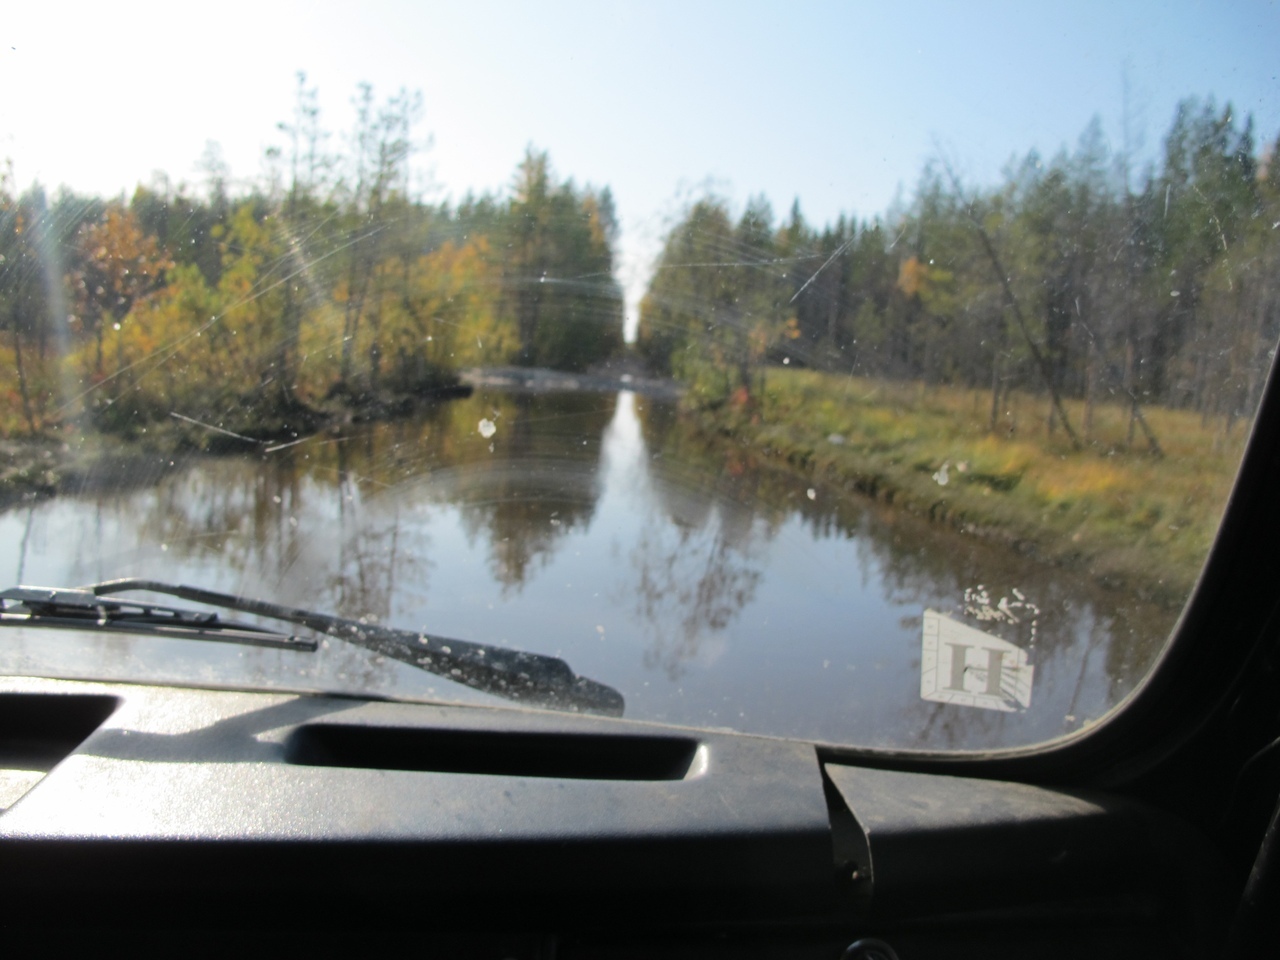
[
  {"x": 81, "y": 609},
  {"x": 530, "y": 678}
]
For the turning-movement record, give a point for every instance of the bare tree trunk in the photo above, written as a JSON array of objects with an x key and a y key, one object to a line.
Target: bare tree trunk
[
  {"x": 1152, "y": 442},
  {"x": 291, "y": 312},
  {"x": 375, "y": 346},
  {"x": 995, "y": 394},
  {"x": 529, "y": 297},
  {"x": 356, "y": 281},
  {"x": 1202, "y": 395},
  {"x": 289, "y": 332},
  {"x": 1135, "y": 410},
  {"x": 1128, "y": 383},
  {"x": 22, "y": 379},
  {"x": 1090, "y": 386},
  {"x": 528, "y": 306},
  {"x": 1042, "y": 364}
]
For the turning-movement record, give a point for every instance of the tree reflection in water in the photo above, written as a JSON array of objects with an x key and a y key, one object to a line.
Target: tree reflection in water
[
  {"x": 1089, "y": 643},
  {"x": 699, "y": 584},
  {"x": 709, "y": 586},
  {"x": 540, "y": 481}
]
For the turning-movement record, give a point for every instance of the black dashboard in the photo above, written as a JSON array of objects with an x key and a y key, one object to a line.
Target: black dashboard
[{"x": 280, "y": 819}]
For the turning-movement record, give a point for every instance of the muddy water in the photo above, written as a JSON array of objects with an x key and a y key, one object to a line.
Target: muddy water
[{"x": 710, "y": 589}]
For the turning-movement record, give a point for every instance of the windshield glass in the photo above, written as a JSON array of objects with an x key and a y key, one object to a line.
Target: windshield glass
[{"x": 869, "y": 376}]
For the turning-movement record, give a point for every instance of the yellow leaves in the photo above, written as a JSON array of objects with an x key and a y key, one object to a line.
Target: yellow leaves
[
  {"x": 911, "y": 276},
  {"x": 440, "y": 309},
  {"x": 122, "y": 240},
  {"x": 121, "y": 264},
  {"x": 932, "y": 284}
]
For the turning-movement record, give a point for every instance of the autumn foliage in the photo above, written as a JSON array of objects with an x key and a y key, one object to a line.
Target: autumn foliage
[{"x": 329, "y": 288}]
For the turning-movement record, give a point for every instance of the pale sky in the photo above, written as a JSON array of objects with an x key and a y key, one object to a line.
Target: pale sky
[{"x": 839, "y": 104}]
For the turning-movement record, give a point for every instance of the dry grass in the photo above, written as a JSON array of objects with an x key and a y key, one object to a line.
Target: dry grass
[{"x": 1123, "y": 514}]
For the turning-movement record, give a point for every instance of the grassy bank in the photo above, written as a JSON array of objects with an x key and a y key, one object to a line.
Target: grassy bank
[{"x": 1128, "y": 518}]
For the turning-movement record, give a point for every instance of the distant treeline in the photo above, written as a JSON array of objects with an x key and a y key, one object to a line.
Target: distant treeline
[
  {"x": 1074, "y": 277},
  {"x": 328, "y": 282}
]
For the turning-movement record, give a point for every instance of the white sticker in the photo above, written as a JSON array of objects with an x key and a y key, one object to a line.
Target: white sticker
[{"x": 969, "y": 668}]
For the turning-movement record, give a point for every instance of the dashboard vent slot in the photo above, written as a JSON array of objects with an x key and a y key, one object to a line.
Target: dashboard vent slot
[
  {"x": 495, "y": 753},
  {"x": 39, "y": 730}
]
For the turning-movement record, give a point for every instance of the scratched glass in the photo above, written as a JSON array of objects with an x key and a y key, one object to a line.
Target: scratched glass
[{"x": 850, "y": 385}]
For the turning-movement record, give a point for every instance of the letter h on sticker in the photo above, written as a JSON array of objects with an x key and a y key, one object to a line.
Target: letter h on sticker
[{"x": 960, "y": 667}]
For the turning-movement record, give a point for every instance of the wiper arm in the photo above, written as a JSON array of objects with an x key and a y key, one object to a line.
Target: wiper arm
[
  {"x": 530, "y": 678},
  {"x": 81, "y": 609}
]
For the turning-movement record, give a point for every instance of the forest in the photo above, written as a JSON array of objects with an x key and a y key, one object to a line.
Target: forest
[
  {"x": 1084, "y": 300},
  {"x": 330, "y": 284},
  {"x": 1075, "y": 277},
  {"x": 1065, "y": 361}
]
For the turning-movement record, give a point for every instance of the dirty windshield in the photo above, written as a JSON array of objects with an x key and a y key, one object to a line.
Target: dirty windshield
[{"x": 874, "y": 375}]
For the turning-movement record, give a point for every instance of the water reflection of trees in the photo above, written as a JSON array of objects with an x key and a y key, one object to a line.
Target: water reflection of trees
[
  {"x": 1094, "y": 644},
  {"x": 334, "y": 522},
  {"x": 288, "y": 527},
  {"x": 698, "y": 572},
  {"x": 917, "y": 560},
  {"x": 689, "y": 589},
  {"x": 540, "y": 481},
  {"x": 1089, "y": 645},
  {"x": 341, "y": 522},
  {"x": 322, "y": 521},
  {"x": 379, "y": 560}
]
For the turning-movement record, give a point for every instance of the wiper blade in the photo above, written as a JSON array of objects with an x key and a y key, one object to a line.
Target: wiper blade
[
  {"x": 531, "y": 678},
  {"x": 82, "y": 609}
]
